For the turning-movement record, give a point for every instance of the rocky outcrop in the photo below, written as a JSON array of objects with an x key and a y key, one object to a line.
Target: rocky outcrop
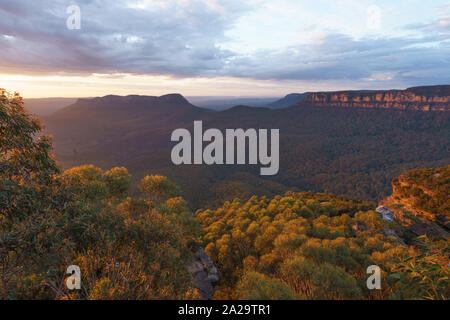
[
  {"x": 431, "y": 98},
  {"x": 393, "y": 233},
  {"x": 387, "y": 214},
  {"x": 419, "y": 203},
  {"x": 203, "y": 273}
]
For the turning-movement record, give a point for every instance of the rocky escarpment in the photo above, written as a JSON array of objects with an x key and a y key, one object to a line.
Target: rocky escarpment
[
  {"x": 429, "y": 98},
  {"x": 420, "y": 203}
]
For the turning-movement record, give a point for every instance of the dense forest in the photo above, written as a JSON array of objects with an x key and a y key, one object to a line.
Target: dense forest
[
  {"x": 138, "y": 245},
  {"x": 310, "y": 246},
  {"x": 428, "y": 189},
  {"x": 126, "y": 248}
]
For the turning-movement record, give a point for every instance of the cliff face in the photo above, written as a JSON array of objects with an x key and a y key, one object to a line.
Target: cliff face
[
  {"x": 420, "y": 202},
  {"x": 430, "y": 98}
]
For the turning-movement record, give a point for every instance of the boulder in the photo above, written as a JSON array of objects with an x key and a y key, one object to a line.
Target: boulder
[
  {"x": 387, "y": 214},
  {"x": 203, "y": 273}
]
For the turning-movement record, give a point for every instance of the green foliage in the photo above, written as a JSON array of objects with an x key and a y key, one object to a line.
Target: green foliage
[
  {"x": 158, "y": 188},
  {"x": 425, "y": 273},
  {"x": 93, "y": 183},
  {"x": 178, "y": 211},
  {"x": 126, "y": 248},
  {"x": 429, "y": 189},
  {"x": 320, "y": 245},
  {"x": 118, "y": 181},
  {"x": 319, "y": 280},
  {"x": 27, "y": 188},
  {"x": 257, "y": 286},
  {"x": 89, "y": 180},
  {"x": 297, "y": 246}
]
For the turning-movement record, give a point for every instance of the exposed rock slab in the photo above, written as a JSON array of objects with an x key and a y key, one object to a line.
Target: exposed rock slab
[{"x": 204, "y": 273}]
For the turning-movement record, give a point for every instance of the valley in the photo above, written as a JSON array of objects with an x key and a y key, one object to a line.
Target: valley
[
  {"x": 251, "y": 152},
  {"x": 353, "y": 151},
  {"x": 138, "y": 238}
]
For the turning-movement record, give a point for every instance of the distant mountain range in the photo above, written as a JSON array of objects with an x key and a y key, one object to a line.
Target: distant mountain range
[
  {"x": 420, "y": 98},
  {"x": 288, "y": 101},
  {"x": 355, "y": 151},
  {"x": 223, "y": 103},
  {"x": 46, "y": 106},
  {"x": 227, "y": 103}
]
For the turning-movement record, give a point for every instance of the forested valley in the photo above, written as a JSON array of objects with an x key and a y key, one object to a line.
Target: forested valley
[{"x": 136, "y": 240}]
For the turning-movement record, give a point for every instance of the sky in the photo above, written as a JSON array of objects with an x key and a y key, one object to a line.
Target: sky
[{"x": 221, "y": 48}]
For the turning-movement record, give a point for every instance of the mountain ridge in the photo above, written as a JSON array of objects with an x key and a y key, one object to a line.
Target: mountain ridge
[
  {"x": 289, "y": 100},
  {"x": 420, "y": 201},
  {"x": 435, "y": 98},
  {"x": 424, "y": 98},
  {"x": 320, "y": 148}
]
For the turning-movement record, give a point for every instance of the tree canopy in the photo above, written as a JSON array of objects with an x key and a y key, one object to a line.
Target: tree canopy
[{"x": 126, "y": 248}]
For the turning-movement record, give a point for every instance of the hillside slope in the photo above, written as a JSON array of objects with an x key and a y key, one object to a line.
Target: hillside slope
[{"x": 288, "y": 100}]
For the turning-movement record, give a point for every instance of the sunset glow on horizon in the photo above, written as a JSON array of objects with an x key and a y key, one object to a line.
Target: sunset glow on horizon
[
  {"x": 217, "y": 48},
  {"x": 126, "y": 84}
]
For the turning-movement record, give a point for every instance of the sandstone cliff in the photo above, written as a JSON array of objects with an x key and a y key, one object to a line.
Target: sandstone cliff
[
  {"x": 434, "y": 98},
  {"x": 420, "y": 202}
]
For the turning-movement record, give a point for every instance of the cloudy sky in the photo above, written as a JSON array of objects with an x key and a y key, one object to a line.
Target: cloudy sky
[{"x": 221, "y": 48}]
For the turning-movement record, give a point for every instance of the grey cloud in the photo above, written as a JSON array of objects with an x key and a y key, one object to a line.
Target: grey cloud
[
  {"x": 177, "y": 39},
  {"x": 181, "y": 39},
  {"x": 439, "y": 25},
  {"x": 406, "y": 60}
]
